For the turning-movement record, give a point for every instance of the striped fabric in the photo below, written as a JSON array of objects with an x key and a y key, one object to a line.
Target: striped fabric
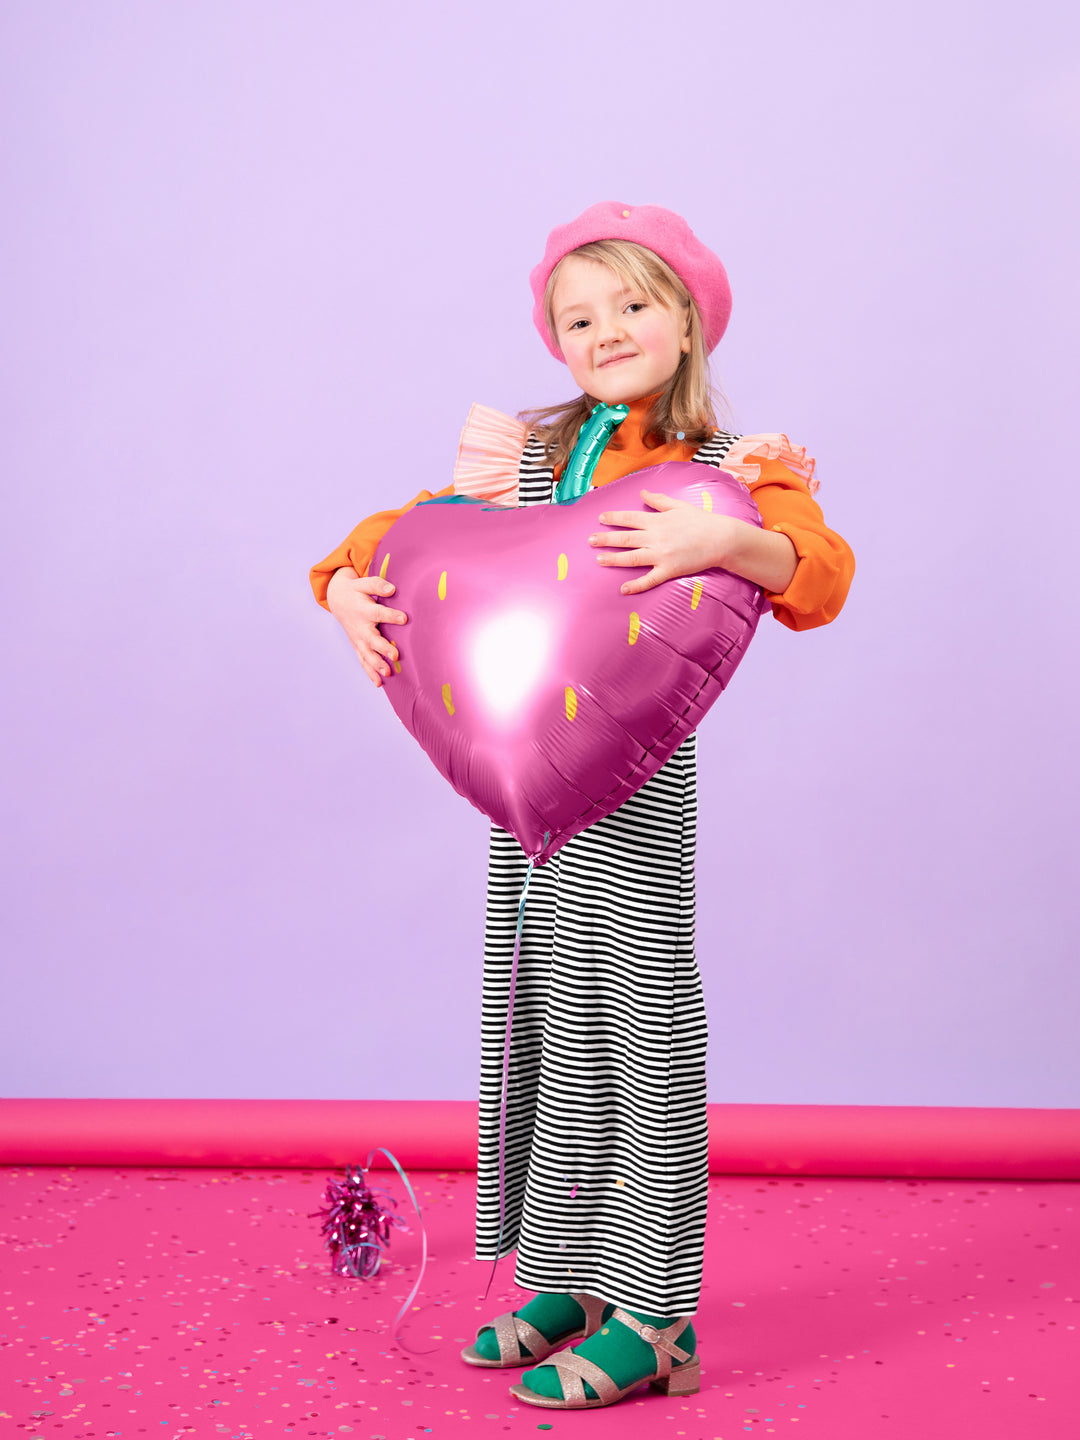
[{"x": 606, "y": 1134}]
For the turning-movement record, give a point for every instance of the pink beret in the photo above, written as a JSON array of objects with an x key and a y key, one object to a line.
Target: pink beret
[{"x": 662, "y": 231}]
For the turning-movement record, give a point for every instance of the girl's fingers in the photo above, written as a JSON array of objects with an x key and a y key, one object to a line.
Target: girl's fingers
[
  {"x": 644, "y": 582},
  {"x": 378, "y": 614},
  {"x": 631, "y": 558},
  {"x": 635, "y": 518},
  {"x": 367, "y": 647},
  {"x": 622, "y": 538},
  {"x": 370, "y": 612}
]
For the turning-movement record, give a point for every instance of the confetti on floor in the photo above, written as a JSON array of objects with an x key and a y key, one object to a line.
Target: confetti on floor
[{"x": 179, "y": 1303}]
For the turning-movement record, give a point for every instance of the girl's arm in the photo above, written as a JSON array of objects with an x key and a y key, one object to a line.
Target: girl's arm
[
  {"x": 767, "y": 557},
  {"x": 804, "y": 568},
  {"x": 816, "y": 593},
  {"x": 356, "y": 550},
  {"x": 681, "y": 539},
  {"x": 342, "y": 586}
]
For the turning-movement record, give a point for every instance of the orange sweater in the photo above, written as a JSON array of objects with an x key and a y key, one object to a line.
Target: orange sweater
[{"x": 822, "y": 577}]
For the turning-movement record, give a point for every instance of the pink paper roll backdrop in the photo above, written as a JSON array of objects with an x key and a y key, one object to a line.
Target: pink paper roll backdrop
[
  {"x": 430, "y": 1134},
  {"x": 441, "y": 1135}
]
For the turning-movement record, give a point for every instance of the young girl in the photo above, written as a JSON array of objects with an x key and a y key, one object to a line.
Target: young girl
[{"x": 606, "y": 1165}]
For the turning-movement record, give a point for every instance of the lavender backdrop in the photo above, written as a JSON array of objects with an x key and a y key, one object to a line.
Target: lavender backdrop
[{"x": 258, "y": 259}]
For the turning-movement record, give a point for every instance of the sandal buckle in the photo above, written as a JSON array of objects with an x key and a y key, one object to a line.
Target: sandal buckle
[{"x": 649, "y": 1333}]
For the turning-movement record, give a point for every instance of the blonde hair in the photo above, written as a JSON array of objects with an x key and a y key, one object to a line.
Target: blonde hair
[{"x": 688, "y": 401}]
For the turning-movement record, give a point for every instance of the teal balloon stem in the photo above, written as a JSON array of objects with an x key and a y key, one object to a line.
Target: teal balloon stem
[{"x": 595, "y": 434}]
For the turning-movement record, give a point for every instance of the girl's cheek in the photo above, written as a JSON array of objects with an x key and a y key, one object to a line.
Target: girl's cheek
[{"x": 653, "y": 333}]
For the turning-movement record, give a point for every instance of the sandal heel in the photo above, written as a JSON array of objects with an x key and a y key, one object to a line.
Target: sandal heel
[{"x": 686, "y": 1380}]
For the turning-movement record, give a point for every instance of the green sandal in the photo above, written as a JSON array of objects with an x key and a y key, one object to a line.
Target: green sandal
[
  {"x": 511, "y": 1333},
  {"x": 573, "y": 1369}
]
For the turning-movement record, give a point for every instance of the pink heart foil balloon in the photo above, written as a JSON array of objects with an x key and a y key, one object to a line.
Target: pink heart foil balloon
[{"x": 543, "y": 694}]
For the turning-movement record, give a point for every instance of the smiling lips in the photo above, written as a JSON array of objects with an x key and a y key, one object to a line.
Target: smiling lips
[{"x": 614, "y": 360}]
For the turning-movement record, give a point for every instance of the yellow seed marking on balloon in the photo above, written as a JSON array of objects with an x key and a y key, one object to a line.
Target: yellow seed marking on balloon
[
  {"x": 446, "y": 700},
  {"x": 635, "y": 626},
  {"x": 564, "y": 567},
  {"x": 696, "y": 594},
  {"x": 571, "y": 703},
  {"x": 706, "y": 500},
  {"x": 442, "y": 586},
  {"x": 384, "y": 566}
]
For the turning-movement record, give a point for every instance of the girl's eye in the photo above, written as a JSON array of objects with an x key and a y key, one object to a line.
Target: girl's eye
[
  {"x": 576, "y": 323},
  {"x": 636, "y": 305}
]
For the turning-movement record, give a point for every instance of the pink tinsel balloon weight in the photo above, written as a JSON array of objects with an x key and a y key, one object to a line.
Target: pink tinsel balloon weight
[{"x": 544, "y": 695}]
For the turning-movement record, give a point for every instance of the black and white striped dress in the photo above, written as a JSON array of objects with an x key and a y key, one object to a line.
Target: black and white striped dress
[{"x": 606, "y": 1133}]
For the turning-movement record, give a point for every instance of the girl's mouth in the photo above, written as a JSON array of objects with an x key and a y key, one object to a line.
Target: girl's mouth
[{"x": 614, "y": 360}]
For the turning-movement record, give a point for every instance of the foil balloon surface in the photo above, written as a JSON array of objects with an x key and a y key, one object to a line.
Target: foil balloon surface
[{"x": 543, "y": 694}]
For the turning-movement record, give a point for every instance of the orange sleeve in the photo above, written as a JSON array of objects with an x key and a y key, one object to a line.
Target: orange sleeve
[
  {"x": 357, "y": 550},
  {"x": 822, "y": 577}
]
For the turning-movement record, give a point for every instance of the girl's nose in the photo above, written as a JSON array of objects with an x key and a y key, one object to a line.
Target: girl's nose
[{"x": 612, "y": 332}]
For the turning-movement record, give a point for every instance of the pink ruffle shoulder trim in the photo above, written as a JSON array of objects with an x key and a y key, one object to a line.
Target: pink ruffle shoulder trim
[
  {"x": 489, "y": 456},
  {"x": 739, "y": 461}
]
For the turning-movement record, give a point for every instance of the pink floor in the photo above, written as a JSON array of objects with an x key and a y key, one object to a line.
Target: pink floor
[{"x": 198, "y": 1302}]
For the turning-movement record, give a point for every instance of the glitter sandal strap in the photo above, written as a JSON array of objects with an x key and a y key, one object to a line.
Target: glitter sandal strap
[
  {"x": 662, "y": 1341},
  {"x": 511, "y": 1333},
  {"x": 594, "y": 1309},
  {"x": 573, "y": 1369}
]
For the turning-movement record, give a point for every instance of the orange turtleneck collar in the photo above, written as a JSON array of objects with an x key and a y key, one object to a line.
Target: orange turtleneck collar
[{"x": 632, "y": 452}]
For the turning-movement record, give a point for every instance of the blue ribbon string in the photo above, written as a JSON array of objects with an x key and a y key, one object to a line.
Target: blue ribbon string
[{"x": 506, "y": 1063}]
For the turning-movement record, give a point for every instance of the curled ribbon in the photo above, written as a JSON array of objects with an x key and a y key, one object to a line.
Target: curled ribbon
[
  {"x": 395, "y": 1337},
  {"x": 353, "y": 1212}
]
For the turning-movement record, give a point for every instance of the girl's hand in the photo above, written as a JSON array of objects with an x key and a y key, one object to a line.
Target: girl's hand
[
  {"x": 679, "y": 539},
  {"x": 352, "y": 603}
]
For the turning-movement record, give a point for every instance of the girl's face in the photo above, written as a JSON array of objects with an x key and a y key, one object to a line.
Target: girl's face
[{"x": 619, "y": 344}]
